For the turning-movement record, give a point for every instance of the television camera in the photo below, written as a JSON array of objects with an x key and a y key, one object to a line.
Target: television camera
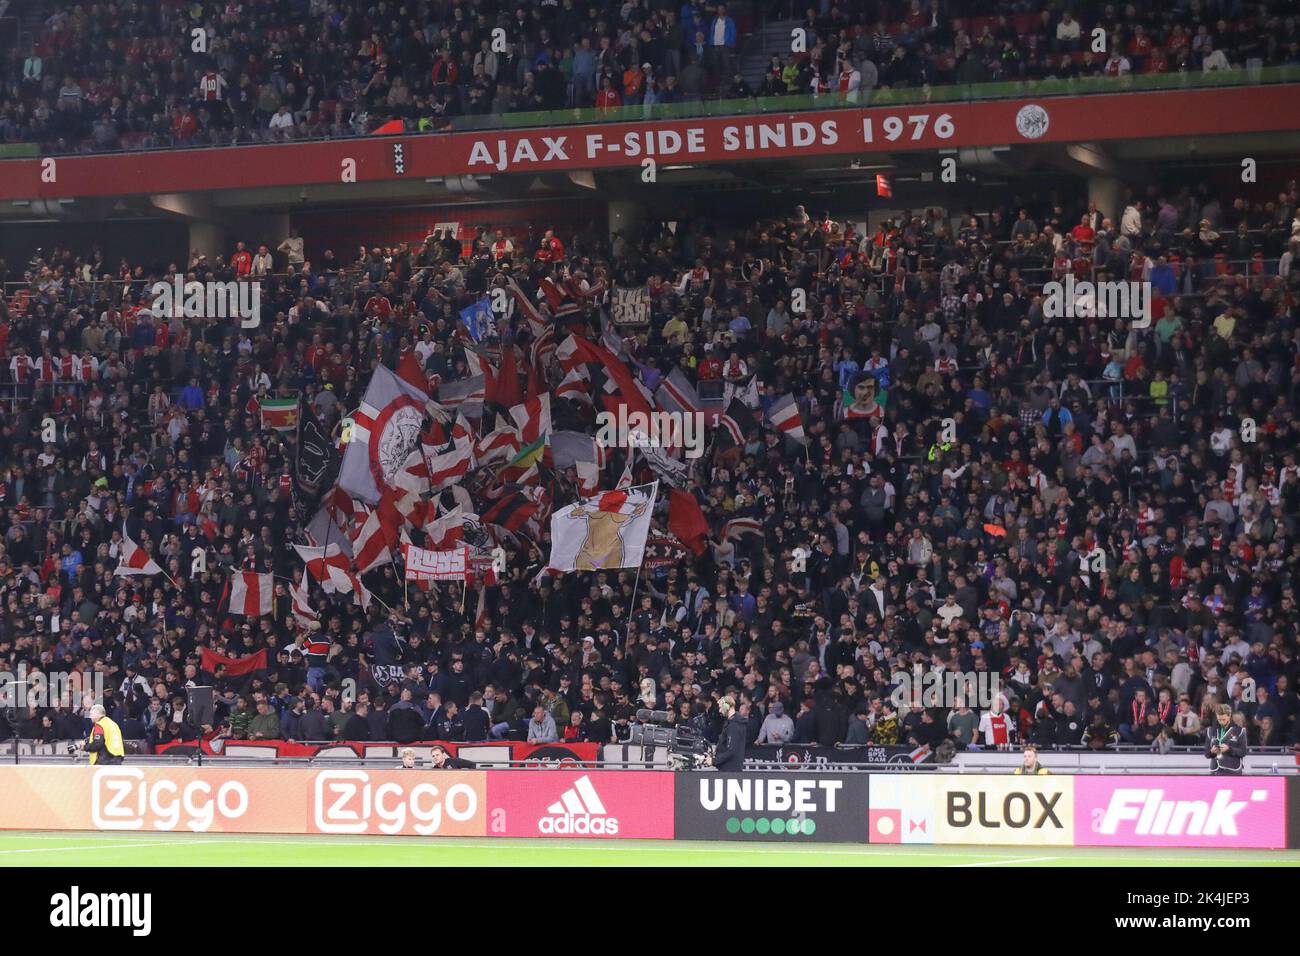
[{"x": 686, "y": 747}]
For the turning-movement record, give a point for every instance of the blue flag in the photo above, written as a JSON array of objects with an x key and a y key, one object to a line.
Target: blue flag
[{"x": 478, "y": 319}]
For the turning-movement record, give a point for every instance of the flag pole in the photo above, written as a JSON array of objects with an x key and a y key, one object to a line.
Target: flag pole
[
  {"x": 637, "y": 582},
  {"x": 632, "y": 609}
]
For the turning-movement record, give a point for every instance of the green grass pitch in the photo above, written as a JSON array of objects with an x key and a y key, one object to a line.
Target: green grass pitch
[{"x": 26, "y": 849}]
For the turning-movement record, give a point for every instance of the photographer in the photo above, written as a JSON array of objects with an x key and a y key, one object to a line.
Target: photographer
[{"x": 105, "y": 742}]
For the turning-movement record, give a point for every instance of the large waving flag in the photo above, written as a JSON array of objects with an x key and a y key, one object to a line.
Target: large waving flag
[
  {"x": 385, "y": 429},
  {"x": 605, "y": 531},
  {"x": 621, "y": 387}
]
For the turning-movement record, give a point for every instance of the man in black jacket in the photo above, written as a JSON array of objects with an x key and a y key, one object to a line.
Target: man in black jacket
[
  {"x": 1225, "y": 744},
  {"x": 476, "y": 720},
  {"x": 445, "y": 761},
  {"x": 730, "y": 755}
]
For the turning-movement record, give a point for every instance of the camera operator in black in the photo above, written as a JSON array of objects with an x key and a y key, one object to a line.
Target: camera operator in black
[{"x": 730, "y": 754}]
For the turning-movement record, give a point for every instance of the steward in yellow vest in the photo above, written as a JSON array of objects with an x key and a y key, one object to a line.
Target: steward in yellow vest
[{"x": 105, "y": 741}]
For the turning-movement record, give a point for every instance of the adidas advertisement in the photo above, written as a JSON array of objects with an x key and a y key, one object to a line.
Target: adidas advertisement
[
  {"x": 632, "y": 804},
  {"x": 784, "y": 807}
]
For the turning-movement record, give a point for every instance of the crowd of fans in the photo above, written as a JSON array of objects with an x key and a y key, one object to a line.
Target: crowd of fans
[
  {"x": 1101, "y": 516},
  {"x": 117, "y": 75}
]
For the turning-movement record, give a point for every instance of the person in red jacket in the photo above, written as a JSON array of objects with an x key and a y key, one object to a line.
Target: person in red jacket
[
  {"x": 550, "y": 249},
  {"x": 242, "y": 260},
  {"x": 607, "y": 98}
]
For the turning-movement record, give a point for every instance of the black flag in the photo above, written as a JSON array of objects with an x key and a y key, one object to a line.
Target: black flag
[{"x": 317, "y": 462}]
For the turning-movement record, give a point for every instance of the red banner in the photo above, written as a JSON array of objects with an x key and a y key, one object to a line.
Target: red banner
[
  {"x": 235, "y": 666},
  {"x": 483, "y": 752},
  {"x": 926, "y": 126}
]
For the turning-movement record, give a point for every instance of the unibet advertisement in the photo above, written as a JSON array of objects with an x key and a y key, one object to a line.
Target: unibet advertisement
[{"x": 772, "y": 807}]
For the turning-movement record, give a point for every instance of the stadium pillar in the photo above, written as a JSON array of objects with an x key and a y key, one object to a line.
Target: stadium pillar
[
  {"x": 208, "y": 238},
  {"x": 1108, "y": 193},
  {"x": 624, "y": 217}
]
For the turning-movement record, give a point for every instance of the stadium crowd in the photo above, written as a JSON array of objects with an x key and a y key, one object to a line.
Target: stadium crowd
[
  {"x": 115, "y": 75},
  {"x": 1102, "y": 516}
]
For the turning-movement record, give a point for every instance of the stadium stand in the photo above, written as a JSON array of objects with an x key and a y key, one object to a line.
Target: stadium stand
[
  {"x": 1078, "y": 507},
  {"x": 124, "y": 76}
]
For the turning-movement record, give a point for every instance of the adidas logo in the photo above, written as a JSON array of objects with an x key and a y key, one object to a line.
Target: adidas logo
[{"x": 579, "y": 811}]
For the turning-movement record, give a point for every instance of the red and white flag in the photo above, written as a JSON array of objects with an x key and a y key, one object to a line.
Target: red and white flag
[
  {"x": 250, "y": 594},
  {"x": 333, "y": 569},
  {"x": 449, "y": 467},
  {"x": 784, "y": 414},
  {"x": 446, "y": 532},
  {"x": 502, "y": 444},
  {"x": 677, "y": 394},
  {"x": 373, "y": 537},
  {"x": 303, "y": 612},
  {"x": 134, "y": 559},
  {"x": 533, "y": 419},
  {"x": 328, "y": 565}
]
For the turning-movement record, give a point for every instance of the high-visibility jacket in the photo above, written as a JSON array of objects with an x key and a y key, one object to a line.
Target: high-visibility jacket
[{"x": 112, "y": 735}]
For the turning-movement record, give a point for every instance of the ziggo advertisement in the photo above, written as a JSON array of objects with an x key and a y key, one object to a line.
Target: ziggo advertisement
[{"x": 1056, "y": 810}]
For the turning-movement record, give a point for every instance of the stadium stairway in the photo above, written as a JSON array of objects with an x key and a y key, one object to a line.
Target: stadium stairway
[{"x": 772, "y": 37}]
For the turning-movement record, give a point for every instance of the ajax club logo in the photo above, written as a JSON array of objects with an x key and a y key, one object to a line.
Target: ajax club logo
[{"x": 1032, "y": 121}]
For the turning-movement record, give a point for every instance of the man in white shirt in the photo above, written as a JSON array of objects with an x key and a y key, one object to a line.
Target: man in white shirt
[
  {"x": 282, "y": 120},
  {"x": 950, "y": 610},
  {"x": 1214, "y": 60},
  {"x": 1067, "y": 33}
]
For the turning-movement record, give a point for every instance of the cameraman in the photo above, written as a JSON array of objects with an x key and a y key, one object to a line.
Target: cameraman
[{"x": 730, "y": 754}]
